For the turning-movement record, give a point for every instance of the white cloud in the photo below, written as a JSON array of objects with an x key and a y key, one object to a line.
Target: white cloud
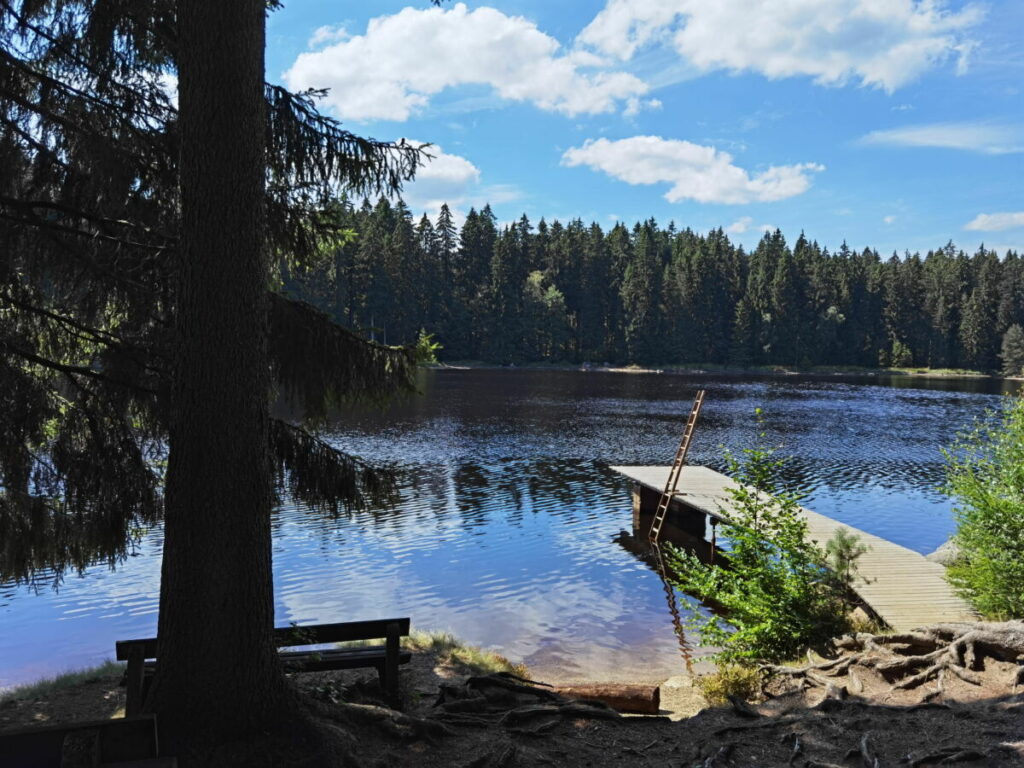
[
  {"x": 327, "y": 34},
  {"x": 1002, "y": 248},
  {"x": 452, "y": 179},
  {"x": 996, "y": 222},
  {"x": 696, "y": 172},
  {"x": 990, "y": 138},
  {"x": 880, "y": 43},
  {"x": 740, "y": 226},
  {"x": 404, "y": 59},
  {"x": 626, "y": 25},
  {"x": 888, "y": 219}
]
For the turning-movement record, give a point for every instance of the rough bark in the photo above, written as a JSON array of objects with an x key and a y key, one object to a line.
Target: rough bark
[{"x": 218, "y": 678}]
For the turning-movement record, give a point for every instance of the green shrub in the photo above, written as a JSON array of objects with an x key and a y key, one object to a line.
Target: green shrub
[
  {"x": 426, "y": 348},
  {"x": 729, "y": 680},
  {"x": 842, "y": 552},
  {"x": 776, "y": 595},
  {"x": 985, "y": 475}
]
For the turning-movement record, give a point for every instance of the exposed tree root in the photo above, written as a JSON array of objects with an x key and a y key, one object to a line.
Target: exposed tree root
[{"x": 910, "y": 659}]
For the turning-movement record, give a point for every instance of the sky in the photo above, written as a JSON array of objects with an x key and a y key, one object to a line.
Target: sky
[{"x": 893, "y": 124}]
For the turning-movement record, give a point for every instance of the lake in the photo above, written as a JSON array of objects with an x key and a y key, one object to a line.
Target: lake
[{"x": 509, "y": 531}]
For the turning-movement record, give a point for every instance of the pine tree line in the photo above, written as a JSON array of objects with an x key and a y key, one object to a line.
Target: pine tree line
[{"x": 653, "y": 295}]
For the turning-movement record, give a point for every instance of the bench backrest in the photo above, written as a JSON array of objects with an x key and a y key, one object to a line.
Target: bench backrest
[{"x": 313, "y": 634}]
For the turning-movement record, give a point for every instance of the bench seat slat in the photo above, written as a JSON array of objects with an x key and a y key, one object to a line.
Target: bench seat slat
[
  {"x": 331, "y": 658},
  {"x": 318, "y": 662},
  {"x": 290, "y": 636},
  {"x": 141, "y": 654}
]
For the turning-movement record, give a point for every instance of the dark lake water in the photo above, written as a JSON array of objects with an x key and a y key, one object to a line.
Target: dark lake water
[{"x": 508, "y": 529}]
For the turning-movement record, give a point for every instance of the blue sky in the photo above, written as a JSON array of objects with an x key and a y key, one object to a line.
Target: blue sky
[{"x": 889, "y": 123}]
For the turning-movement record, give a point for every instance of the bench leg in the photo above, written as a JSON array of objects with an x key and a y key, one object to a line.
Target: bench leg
[
  {"x": 136, "y": 680},
  {"x": 390, "y": 671}
]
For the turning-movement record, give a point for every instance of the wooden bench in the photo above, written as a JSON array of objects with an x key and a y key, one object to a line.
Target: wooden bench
[
  {"x": 100, "y": 742},
  {"x": 141, "y": 654}
]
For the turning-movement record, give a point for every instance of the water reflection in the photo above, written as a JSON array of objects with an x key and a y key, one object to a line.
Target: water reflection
[{"x": 508, "y": 529}]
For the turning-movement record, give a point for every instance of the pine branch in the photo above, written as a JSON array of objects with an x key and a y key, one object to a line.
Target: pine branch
[
  {"x": 308, "y": 148},
  {"x": 72, "y": 370},
  {"x": 317, "y": 363},
  {"x": 325, "y": 478}
]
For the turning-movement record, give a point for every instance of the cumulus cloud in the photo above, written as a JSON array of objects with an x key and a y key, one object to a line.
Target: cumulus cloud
[
  {"x": 452, "y": 179},
  {"x": 404, "y": 59},
  {"x": 696, "y": 172},
  {"x": 327, "y": 34},
  {"x": 741, "y": 225},
  {"x": 623, "y": 26},
  {"x": 990, "y": 138},
  {"x": 889, "y": 219},
  {"x": 879, "y": 43},
  {"x": 996, "y": 222}
]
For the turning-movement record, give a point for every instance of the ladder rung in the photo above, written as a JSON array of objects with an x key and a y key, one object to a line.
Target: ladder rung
[{"x": 676, "y": 470}]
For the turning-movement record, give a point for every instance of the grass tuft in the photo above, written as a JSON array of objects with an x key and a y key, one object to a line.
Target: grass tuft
[
  {"x": 450, "y": 649},
  {"x": 41, "y": 689}
]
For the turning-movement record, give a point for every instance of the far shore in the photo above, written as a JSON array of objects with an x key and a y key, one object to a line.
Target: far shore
[{"x": 712, "y": 369}]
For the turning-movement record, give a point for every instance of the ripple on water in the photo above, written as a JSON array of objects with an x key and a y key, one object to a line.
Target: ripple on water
[{"x": 506, "y": 530}]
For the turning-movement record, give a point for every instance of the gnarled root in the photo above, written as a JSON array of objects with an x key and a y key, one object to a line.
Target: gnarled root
[{"x": 910, "y": 659}]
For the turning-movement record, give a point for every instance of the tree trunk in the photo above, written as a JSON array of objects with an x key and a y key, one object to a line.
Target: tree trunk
[{"x": 218, "y": 677}]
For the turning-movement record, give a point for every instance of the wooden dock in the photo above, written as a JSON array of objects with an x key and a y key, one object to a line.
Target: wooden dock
[{"x": 903, "y": 588}]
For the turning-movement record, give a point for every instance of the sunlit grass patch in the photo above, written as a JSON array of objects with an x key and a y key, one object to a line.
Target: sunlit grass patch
[
  {"x": 41, "y": 689},
  {"x": 450, "y": 650}
]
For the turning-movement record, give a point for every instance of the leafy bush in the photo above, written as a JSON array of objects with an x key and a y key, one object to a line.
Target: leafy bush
[
  {"x": 426, "y": 348},
  {"x": 985, "y": 474},
  {"x": 775, "y": 594},
  {"x": 729, "y": 680}
]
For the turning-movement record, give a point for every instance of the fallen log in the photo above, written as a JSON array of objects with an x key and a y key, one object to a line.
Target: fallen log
[{"x": 639, "y": 699}]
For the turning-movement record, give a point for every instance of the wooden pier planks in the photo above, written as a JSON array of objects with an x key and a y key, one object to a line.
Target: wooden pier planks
[{"x": 900, "y": 585}]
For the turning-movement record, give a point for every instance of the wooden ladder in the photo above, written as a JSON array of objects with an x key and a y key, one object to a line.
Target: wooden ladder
[{"x": 677, "y": 469}]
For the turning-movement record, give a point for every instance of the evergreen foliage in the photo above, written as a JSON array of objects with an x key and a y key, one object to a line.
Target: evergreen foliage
[
  {"x": 89, "y": 293},
  {"x": 776, "y": 595},
  {"x": 654, "y": 295},
  {"x": 1012, "y": 353},
  {"x": 985, "y": 475}
]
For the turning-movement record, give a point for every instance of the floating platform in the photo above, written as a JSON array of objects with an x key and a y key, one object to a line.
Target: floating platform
[{"x": 899, "y": 585}]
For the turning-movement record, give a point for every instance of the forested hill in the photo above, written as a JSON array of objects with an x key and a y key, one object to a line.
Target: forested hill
[{"x": 659, "y": 295}]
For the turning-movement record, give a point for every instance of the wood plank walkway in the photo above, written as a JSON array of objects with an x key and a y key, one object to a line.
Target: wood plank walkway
[{"x": 900, "y": 585}]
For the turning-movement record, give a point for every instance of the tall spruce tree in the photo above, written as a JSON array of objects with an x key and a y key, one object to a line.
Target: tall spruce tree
[
  {"x": 641, "y": 294},
  {"x": 140, "y": 326},
  {"x": 1012, "y": 353}
]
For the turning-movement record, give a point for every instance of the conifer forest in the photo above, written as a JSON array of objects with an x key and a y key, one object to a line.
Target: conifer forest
[{"x": 655, "y": 295}]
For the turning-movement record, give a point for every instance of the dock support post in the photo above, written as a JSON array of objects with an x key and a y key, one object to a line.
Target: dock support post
[{"x": 636, "y": 508}]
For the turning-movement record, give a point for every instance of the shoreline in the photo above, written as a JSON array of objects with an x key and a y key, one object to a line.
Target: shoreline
[{"x": 774, "y": 371}]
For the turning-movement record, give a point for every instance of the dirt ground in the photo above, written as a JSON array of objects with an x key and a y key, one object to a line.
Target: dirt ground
[{"x": 846, "y": 714}]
